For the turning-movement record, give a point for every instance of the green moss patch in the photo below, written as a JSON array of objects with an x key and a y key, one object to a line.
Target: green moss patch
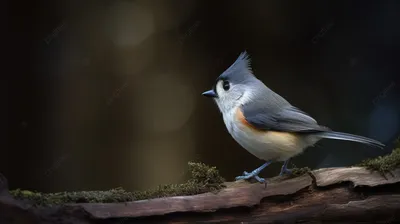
[
  {"x": 384, "y": 164},
  {"x": 202, "y": 179},
  {"x": 300, "y": 171}
]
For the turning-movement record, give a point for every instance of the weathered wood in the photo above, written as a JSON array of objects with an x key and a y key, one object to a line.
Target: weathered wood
[
  {"x": 235, "y": 195},
  {"x": 15, "y": 211},
  {"x": 357, "y": 175},
  {"x": 334, "y": 195}
]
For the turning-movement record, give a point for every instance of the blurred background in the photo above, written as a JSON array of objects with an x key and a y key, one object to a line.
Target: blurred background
[{"x": 104, "y": 94}]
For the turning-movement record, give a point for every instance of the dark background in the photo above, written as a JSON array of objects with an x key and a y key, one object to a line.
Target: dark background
[{"x": 102, "y": 94}]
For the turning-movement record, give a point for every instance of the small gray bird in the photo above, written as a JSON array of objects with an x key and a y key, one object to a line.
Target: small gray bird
[{"x": 263, "y": 122}]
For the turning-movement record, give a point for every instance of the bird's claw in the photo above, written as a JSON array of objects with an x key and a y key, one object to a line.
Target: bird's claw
[
  {"x": 285, "y": 171},
  {"x": 247, "y": 175},
  {"x": 260, "y": 179}
]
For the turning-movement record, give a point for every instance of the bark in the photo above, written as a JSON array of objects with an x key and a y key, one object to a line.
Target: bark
[{"x": 333, "y": 195}]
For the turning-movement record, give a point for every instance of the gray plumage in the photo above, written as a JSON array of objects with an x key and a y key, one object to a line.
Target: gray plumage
[
  {"x": 282, "y": 130},
  {"x": 270, "y": 111}
]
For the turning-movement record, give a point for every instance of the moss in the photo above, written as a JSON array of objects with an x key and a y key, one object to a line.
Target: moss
[
  {"x": 299, "y": 171},
  {"x": 202, "y": 179},
  {"x": 386, "y": 163},
  {"x": 113, "y": 195}
]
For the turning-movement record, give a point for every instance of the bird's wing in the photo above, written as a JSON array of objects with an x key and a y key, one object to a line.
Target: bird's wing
[{"x": 284, "y": 119}]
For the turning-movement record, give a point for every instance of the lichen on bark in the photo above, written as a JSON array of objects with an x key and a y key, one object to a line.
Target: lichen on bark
[
  {"x": 299, "y": 171},
  {"x": 384, "y": 164},
  {"x": 202, "y": 179}
]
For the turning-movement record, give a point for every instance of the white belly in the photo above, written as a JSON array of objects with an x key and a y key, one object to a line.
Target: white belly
[{"x": 267, "y": 145}]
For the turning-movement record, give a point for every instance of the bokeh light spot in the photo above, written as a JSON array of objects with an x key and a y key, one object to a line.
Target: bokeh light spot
[
  {"x": 168, "y": 105},
  {"x": 129, "y": 24}
]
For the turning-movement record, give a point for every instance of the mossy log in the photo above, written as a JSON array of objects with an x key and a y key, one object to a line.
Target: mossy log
[{"x": 331, "y": 195}]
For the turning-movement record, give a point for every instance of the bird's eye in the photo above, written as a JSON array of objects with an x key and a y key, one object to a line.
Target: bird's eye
[{"x": 225, "y": 85}]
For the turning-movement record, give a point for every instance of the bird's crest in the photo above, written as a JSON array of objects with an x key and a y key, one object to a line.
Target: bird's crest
[
  {"x": 242, "y": 63},
  {"x": 238, "y": 70}
]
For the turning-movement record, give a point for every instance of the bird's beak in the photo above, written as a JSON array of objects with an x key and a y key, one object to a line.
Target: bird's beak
[{"x": 209, "y": 93}]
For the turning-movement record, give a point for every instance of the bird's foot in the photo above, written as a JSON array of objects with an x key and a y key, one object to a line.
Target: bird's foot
[
  {"x": 285, "y": 171},
  {"x": 247, "y": 176}
]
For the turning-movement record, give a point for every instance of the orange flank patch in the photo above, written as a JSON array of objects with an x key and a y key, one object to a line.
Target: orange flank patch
[
  {"x": 280, "y": 139},
  {"x": 240, "y": 117}
]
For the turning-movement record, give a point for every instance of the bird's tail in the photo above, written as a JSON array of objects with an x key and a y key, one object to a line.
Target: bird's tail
[{"x": 350, "y": 137}]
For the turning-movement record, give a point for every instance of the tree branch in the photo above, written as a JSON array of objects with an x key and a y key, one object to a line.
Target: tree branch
[{"x": 335, "y": 195}]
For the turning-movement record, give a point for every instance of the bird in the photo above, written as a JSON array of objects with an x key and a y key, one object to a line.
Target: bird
[{"x": 264, "y": 123}]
